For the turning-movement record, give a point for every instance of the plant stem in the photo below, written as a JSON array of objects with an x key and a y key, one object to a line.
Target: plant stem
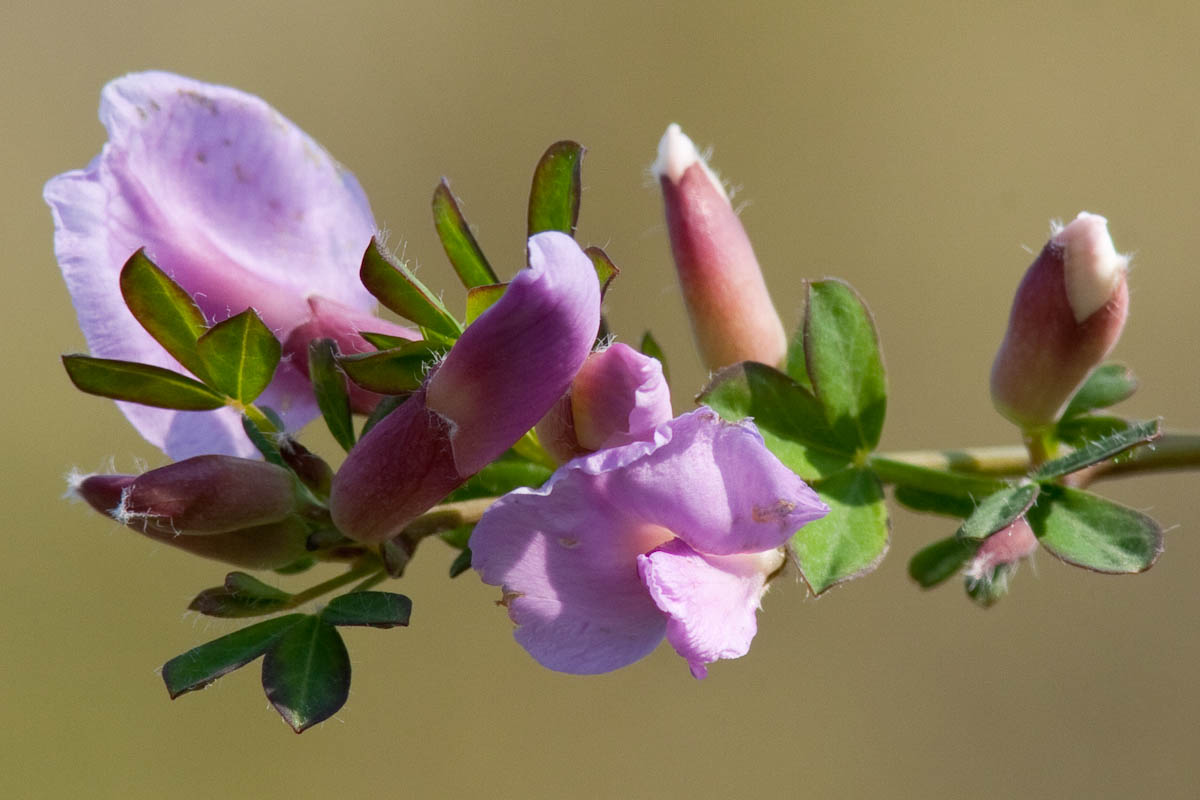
[
  {"x": 1171, "y": 451},
  {"x": 360, "y": 570}
]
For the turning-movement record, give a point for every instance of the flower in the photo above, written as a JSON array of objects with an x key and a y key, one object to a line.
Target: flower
[
  {"x": 242, "y": 209},
  {"x": 502, "y": 375},
  {"x": 618, "y": 396},
  {"x": 236, "y": 510},
  {"x": 1066, "y": 317},
  {"x": 732, "y": 316},
  {"x": 675, "y": 536}
]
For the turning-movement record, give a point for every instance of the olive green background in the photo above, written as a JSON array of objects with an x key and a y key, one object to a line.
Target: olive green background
[{"x": 917, "y": 150}]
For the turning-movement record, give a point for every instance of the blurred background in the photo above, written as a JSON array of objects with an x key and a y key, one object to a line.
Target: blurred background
[{"x": 917, "y": 150}]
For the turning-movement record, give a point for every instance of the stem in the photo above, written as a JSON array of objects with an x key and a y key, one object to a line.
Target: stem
[
  {"x": 361, "y": 569},
  {"x": 1172, "y": 451}
]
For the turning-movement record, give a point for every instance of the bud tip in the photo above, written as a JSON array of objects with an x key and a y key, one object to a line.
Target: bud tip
[
  {"x": 1091, "y": 264},
  {"x": 676, "y": 154}
]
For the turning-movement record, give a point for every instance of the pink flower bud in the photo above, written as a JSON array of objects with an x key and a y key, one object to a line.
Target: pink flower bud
[
  {"x": 202, "y": 495},
  {"x": 618, "y": 396},
  {"x": 1066, "y": 317},
  {"x": 732, "y": 316},
  {"x": 996, "y": 560}
]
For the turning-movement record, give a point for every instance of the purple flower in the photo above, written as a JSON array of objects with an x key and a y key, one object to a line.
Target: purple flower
[
  {"x": 672, "y": 537},
  {"x": 502, "y": 375},
  {"x": 242, "y": 209}
]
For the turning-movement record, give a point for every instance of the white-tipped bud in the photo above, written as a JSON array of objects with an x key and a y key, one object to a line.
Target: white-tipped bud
[{"x": 1092, "y": 267}]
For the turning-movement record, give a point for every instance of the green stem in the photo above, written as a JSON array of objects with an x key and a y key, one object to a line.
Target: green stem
[
  {"x": 1172, "y": 451},
  {"x": 363, "y": 568}
]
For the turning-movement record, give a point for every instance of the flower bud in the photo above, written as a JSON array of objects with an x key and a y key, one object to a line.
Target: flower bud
[
  {"x": 996, "y": 561},
  {"x": 202, "y": 495},
  {"x": 1066, "y": 317},
  {"x": 731, "y": 312},
  {"x": 618, "y": 396}
]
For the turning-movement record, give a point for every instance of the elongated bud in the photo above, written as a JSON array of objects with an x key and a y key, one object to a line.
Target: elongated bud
[
  {"x": 202, "y": 495},
  {"x": 501, "y": 376},
  {"x": 1066, "y": 317},
  {"x": 732, "y": 316},
  {"x": 618, "y": 396},
  {"x": 996, "y": 561}
]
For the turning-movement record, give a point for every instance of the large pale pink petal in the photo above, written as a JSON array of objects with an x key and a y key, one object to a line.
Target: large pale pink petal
[
  {"x": 512, "y": 364},
  {"x": 711, "y": 482},
  {"x": 565, "y": 559},
  {"x": 711, "y": 600},
  {"x": 230, "y": 199}
]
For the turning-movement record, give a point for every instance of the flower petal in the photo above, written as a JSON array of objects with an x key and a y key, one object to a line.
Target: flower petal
[
  {"x": 235, "y": 203},
  {"x": 395, "y": 473},
  {"x": 711, "y": 482},
  {"x": 518, "y": 358},
  {"x": 619, "y": 396},
  {"x": 711, "y": 600},
  {"x": 565, "y": 559}
]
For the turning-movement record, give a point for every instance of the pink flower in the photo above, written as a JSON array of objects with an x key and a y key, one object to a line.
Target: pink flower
[
  {"x": 618, "y": 396},
  {"x": 732, "y": 316},
  {"x": 502, "y": 375},
  {"x": 1067, "y": 315},
  {"x": 675, "y": 536},
  {"x": 242, "y": 209}
]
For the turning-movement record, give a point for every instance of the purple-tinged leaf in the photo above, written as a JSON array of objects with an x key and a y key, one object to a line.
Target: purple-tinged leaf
[
  {"x": 557, "y": 185},
  {"x": 329, "y": 385},
  {"x": 457, "y": 240},
  {"x": 394, "y": 285}
]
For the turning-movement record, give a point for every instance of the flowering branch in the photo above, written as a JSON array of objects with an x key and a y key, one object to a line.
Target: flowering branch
[{"x": 222, "y": 264}]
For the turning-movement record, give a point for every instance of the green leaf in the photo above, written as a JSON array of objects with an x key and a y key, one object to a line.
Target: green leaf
[
  {"x": 481, "y": 298},
  {"x": 650, "y": 347},
  {"x": 457, "y": 240},
  {"x": 788, "y": 417},
  {"x": 1108, "y": 385},
  {"x": 461, "y": 564},
  {"x": 397, "y": 370},
  {"x": 306, "y": 673},
  {"x": 371, "y": 609},
  {"x": 459, "y": 537},
  {"x": 941, "y": 560},
  {"x": 851, "y": 539},
  {"x": 998, "y": 511},
  {"x": 1099, "y": 450},
  {"x": 394, "y": 285},
  {"x": 1093, "y": 532},
  {"x": 796, "y": 365},
  {"x": 329, "y": 386},
  {"x": 241, "y": 596},
  {"x": 164, "y": 309},
  {"x": 384, "y": 407},
  {"x": 1079, "y": 431},
  {"x": 383, "y": 341},
  {"x": 841, "y": 351},
  {"x": 506, "y": 473},
  {"x": 557, "y": 184},
  {"x": 265, "y": 443},
  {"x": 240, "y": 356},
  {"x": 606, "y": 270},
  {"x": 139, "y": 383},
  {"x": 202, "y": 665},
  {"x": 933, "y": 503}
]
